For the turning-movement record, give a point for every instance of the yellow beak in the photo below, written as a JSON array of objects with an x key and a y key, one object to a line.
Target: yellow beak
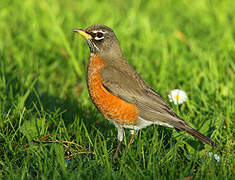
[{"x": 83, "y": 33}]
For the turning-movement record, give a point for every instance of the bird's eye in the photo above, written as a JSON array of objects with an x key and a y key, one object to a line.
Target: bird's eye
[{"x": 99, "y": 35}]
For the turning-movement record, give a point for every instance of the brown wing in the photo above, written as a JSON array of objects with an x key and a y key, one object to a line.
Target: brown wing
[{"x": 131, "y": 88}]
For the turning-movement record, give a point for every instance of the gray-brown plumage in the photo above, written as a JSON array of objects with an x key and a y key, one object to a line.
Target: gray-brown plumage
[{"x": 122, "y": 81}]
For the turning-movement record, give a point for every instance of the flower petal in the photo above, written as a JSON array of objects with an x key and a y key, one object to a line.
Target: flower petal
[{"x": 177, "y": 96}]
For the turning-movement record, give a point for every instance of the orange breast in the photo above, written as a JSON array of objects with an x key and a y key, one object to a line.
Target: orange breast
[{"x": 108, "y": 104}]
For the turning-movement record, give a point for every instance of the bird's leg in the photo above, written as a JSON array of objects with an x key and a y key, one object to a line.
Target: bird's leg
[
  {"x": 117, "y": 149},
  {"x": 121, "y": 134},
  {"x": 131, "y": 138}
]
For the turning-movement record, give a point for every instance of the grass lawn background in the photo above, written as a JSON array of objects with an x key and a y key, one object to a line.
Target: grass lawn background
[{"x": 50, "y": 129}]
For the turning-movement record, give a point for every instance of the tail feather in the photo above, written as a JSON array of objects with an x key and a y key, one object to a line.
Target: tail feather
[
  {"x": 183, "y": 126},
  {"x": 200, "y": 136}
]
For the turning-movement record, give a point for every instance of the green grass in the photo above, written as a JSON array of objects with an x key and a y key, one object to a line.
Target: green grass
[{"x": 44, "y": 103}]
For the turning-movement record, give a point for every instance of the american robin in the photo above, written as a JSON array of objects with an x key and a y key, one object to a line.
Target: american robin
[{"x": 120, "y": 94}]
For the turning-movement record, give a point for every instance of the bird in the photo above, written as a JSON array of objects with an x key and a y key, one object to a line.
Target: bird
[{"x": 120, "y": 94}]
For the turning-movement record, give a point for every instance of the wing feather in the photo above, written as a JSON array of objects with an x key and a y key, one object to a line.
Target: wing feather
[{"x": 135, "y": 91}]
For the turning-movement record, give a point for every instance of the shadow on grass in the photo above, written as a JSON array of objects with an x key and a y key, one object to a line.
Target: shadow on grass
[{"x": 69, "y": 109}]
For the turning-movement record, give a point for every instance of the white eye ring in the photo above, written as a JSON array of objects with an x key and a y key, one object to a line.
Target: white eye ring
[
  {"x": 99, "y": 31},
  {"x": 97, "y": 38}
]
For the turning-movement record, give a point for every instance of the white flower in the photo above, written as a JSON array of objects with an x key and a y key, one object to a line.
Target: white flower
[
  {"x": 177, "y": 96},
  {"x": 216, "y": 156}
]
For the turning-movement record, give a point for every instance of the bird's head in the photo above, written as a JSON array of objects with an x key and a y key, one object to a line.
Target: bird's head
[{"x": 101, "y": 40}]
